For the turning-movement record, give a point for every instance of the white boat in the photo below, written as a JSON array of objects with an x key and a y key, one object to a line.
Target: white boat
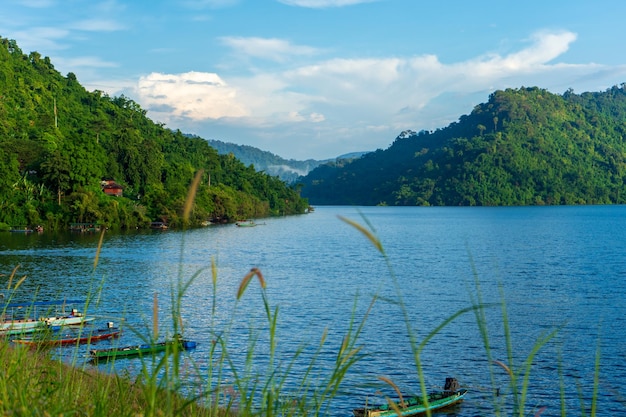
[
  {"x": 11, "y": 327},
  {"x": 23, "y": 318},
  {"x": 72, "y": 319}
]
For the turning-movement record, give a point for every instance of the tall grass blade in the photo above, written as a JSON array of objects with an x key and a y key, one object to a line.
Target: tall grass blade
[
  {"x": 191, "y": 195},
  {"x": 99, "y": 248},
  {"x": 155, "y": 316},
  {"x": 596, "y": 380},
  {"x": 395, "y": 388},
  {"x": 370, "y": 236},
  {"x": 246, "y": 281}
]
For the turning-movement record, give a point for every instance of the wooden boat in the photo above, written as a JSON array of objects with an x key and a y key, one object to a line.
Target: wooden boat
[
  {"x": 72, "y": 319},
  {"x": 24, "y": 318},
  {"x": 84, "y": 227},
  {"x": 11, "y": 327},
  {"x": 140, "y": 350},
  {"x": 416, "y": 405},
  {"x": 21, "y": 229},
  {"x": 245, "y": 223},
  {"x": 85, "y": 337}
]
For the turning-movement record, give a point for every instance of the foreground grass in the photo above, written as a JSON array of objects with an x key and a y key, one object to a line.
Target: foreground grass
[{"x": 34, "y": 384}]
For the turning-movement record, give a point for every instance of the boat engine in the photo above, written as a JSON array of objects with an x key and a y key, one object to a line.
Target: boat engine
[{"x": 452, "y": 385}]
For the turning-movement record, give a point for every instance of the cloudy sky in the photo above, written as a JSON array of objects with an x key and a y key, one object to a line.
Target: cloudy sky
[{"x": 320, "y": 78}]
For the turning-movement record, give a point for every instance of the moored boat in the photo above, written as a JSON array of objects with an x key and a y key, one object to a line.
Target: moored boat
[
  {"x": 21, "y": 229},
  {"x": 84, "y": 337},
  {"x": 245, "y": 223},
  {"x": 84, "y": 227},
  {"x": 24, "y": 318},
  {"x": 141, "y": 350},
  {"x": 10, "y": 327},
  {"x": 72, "y": 319},
  {"x": 416, "y": 404}
]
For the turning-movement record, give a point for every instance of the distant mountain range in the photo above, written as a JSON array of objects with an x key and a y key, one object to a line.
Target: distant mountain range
[{"x": 288, "y": 170}]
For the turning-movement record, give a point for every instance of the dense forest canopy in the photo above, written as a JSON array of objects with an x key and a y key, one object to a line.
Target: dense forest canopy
[
  {"x": 524, "y": 146},
  {"x": 60, "y": 145}
]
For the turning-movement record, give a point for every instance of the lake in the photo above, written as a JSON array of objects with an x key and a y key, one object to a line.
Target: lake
[{"x": 555, "y": 268}]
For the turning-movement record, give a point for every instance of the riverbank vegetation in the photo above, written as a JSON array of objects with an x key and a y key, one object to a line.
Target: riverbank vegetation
[{"x": 68, "y": 155}]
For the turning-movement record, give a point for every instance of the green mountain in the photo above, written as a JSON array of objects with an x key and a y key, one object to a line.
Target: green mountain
[
  {"x": 288, "y": 170},
  {"x": 523, "y": 146},
  {"x": 69, "y": 155}
]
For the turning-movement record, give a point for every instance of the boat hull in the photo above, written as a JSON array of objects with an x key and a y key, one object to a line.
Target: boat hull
[
  {"x": 69, "y": 320},
  {"x": 139, "y": 350},
  {"x": 64, "y": 341},
  {"x": 415, "y": 405},
  {"x": 24, "y": 318},
  {"x": 20, "y": 327},
  {"x": 11, "y": 328},
  {"x": 245, "y": 223}
]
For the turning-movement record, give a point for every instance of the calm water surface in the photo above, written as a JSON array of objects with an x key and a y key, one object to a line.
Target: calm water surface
[{"x": 555, "y": 267}]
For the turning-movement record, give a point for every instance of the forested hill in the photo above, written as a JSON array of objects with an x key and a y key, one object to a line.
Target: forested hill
[
  {"x": 524, "y": 146},
  {"x": 69, "y": 155}
]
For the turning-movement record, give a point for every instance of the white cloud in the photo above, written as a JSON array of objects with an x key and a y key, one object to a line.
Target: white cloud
[
  {"x": 545, "y": 47},
  {"x": 316, "y": 117},
  {"x": 380, "y": 88},
  {"x": 358, "y": 99},
  {"x": 112, "y": 87},
  {"x": 84, "y": 61},
  {"x": 192, "y": 95},
  {"x": 41, "y": 38},
  {"x": 272, "y": 49}
]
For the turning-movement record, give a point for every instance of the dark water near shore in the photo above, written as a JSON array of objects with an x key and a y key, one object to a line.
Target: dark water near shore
[{"x": 555, "y": 267}]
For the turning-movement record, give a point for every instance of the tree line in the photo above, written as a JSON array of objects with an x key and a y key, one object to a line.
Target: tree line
[
  {"x": 524, "y": 146},
  {"x": 60, "y": 142}
]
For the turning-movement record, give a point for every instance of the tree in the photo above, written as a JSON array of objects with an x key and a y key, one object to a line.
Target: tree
[{"x": 56, "y": 171}]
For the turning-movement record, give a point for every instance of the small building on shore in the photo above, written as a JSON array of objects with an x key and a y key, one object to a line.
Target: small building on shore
[{"x": 110, "y": 187}]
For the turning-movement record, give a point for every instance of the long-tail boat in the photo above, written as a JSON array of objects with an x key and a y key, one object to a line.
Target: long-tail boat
[
  {"x": 141, "y": 350},
  {"x": 415, "y": 405},
  {"x": 30, "y": 317},
  {"x": 82, "y": 337}
]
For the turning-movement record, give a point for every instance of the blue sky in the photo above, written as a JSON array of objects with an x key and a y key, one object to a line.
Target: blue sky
[{"x": 320, "y": 78}]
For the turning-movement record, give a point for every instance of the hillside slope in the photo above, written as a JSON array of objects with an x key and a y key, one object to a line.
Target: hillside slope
[
  {"x": 60, "y": 145},
  {"x": 523, "y": 146}
]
